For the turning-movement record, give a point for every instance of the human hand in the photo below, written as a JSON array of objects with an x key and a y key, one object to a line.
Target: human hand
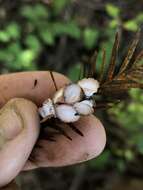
[{"x": 20, "y": 95}]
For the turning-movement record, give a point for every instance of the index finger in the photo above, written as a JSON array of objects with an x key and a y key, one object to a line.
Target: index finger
[{"x": 35, "y": 86}]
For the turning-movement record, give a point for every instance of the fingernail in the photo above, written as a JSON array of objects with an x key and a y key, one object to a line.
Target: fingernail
[{"x": 11, "y": 123}]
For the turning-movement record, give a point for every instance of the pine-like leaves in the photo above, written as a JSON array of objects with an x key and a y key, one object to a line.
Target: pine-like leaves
[
  {"x": 113, "y": 59},
  {"x": 130, "y": 74},
  {"x": 113, "y": 85}
]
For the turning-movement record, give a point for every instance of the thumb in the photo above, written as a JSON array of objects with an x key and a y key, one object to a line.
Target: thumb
[{"x": 19, "y": 129}]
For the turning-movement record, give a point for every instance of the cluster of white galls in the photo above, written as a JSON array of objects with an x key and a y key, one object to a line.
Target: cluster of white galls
[{"x": 71, "y": 101}]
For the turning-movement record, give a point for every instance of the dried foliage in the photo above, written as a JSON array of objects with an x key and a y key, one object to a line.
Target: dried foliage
[
  {"x": 113, "y": 85},
  {"x": 130, "y": 72},
  {"x": 129, "y": 75}
]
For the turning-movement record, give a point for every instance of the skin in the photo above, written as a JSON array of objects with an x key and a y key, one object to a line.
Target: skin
[{"x": 21, "y": 94}]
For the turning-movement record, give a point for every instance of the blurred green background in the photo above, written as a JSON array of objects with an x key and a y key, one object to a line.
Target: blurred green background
[{"x": 58, "y": 35}]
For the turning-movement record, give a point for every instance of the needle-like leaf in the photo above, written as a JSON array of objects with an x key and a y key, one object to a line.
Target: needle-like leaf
[
  {"x": 113, "y": 88},
  {"x": 130, "y": 53},
  {"x": 138, "y": 58},
  {"x": 101, "y": 77},
  {"x": 92, "y": 62},
  {"x": 53, "y": 78},
  {"x": 113, "y": 59},
  {"x": 130, "y": 73}
]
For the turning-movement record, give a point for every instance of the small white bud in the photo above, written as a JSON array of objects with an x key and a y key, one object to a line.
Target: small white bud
[
  {"x": 89, "y": 86},
  {"x": 66, "y": 113},
  {"x": 47, "y": 109},
  {"x": 84, "y": 107},
  {"x": 89, "y": 102},
  {"x": 72, "y": 93},
  {"x": 59, "y": 96}
]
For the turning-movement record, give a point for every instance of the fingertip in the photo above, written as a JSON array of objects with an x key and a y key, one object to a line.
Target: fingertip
[
  {"x": 94, "y": 140},
  {"x": 95, "y": 135},
  {"x": 64, "y": 152}
]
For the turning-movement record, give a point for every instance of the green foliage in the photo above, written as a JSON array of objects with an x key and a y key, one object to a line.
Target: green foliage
[
  {"x": 16, "y": 58},
  {"x": 135, "y": 23},
  {"x": 58, "y": 6},
  {"x": 11, "y": 32},
  {"x": 4, "y": 37},
  {"x": 70, "y": 29},
  {"x": 89, "y": 37},
  {"x": 114, "y": 23},
  {"x": 32, "y": 42},
  {"x": 40, "y": 27},
  {"x": 112, "y": 10},
  {"x": 139, "y": 18},
  {"x": 74, "y": 72},
  {"x": 129, "y": 116},
  {"x": 34, "y": 13},
  {"x": 101, "y": 161},
  {"x": 47, "y": 36},
  {"x": 131, "y": 25},
  {"x": 107, "y": 45},
  {"x": 49, "y": 31}
]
